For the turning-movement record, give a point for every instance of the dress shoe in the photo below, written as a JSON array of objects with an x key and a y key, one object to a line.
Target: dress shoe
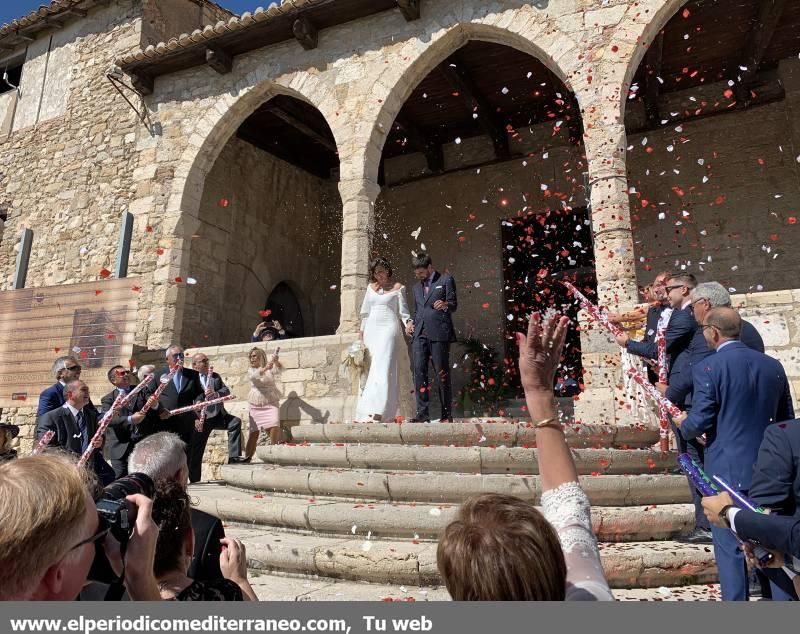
[
  {"x": 697, "y": 536},
  {"x": 420, "y": 420},
  {"x": 239, "y": 460}
]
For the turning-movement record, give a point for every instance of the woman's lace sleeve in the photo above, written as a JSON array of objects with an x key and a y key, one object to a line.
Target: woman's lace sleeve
[
  {"x": 365, "y": 306},
  {"x": 405, "y": 315},
  {"x": 567, "y": 508}
]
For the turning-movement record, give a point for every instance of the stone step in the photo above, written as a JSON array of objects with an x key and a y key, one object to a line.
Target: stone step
[
  {"x": 414, "y": 520},
  {"x": 415, "y": 486},
  {"x": 516, "y": 460},
  {"x": 276, "y": 587},
  {"x": 473, "y": 432},
  {"x": 413, "y": 562}
]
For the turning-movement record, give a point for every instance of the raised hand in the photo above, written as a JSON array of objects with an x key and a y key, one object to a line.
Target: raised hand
[{"x": 540, "y": 352}]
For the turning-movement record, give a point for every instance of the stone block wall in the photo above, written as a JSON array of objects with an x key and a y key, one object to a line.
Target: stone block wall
[{"x": 262, "y": 222}]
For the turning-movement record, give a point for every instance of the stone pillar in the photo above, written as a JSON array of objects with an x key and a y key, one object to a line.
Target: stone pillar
[
  {"x": 602, "y": 400},
  {"x": 358, "y": 220},
  {"x": 610, "y": 214}
]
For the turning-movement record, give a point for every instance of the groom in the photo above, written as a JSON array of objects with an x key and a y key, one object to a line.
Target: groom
[{"x": 432, "y": 329}]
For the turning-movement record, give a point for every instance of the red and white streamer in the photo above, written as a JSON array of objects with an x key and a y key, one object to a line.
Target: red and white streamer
[{"x": 200, "y": 406}]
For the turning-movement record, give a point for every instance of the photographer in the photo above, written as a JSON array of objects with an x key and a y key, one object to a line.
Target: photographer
[{"x": 50, "y": 527}]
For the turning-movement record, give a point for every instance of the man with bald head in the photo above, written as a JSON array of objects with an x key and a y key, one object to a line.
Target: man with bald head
[
  {"x": 216, "y": 418},
  {"x": 737, "y": 393}
]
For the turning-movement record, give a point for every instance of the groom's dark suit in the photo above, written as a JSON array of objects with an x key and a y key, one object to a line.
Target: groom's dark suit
[{"x": 433, "y": 333}]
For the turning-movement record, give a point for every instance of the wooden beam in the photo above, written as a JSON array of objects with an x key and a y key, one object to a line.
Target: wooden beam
[
  {"x": 652, "y": 62},
  {"x": 219, "y": 60},
  {"x": 301, "y": 127},
  {"x": 459, "y": 78},
  {"x": 409, "y": 9},
  {"x": 142, "y": 83},
  {"x": 305, "y": 33},
  {"x": 25, "y": 38},
  {"x": 757, "y": 44},
  {"x": 418, "y": 140},
  {"x": 81, "y": 13},
  {"x": 313, "y": 164}
]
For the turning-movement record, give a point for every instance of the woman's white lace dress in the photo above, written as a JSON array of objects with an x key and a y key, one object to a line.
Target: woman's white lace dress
[
  {"x": 387, "y": 391},
  {"x": 567, "y": 508}
]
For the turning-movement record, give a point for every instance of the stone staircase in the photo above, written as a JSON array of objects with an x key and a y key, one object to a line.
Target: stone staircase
[{"x": 352, "y": 511}]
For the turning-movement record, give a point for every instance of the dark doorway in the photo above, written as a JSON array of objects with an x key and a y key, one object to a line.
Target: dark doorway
[
  {"x": 539, "y": 251},
  {"x": 285, "y": 307}
]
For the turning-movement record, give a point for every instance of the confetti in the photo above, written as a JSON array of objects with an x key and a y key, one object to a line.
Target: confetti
[{"x": 105, "y": 273}]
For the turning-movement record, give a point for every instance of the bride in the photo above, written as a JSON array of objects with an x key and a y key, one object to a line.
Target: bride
[{"x": 384, "y": 315}]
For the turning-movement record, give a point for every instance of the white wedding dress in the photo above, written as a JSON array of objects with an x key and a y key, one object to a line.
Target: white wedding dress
[{"x": 388, "y": 389}]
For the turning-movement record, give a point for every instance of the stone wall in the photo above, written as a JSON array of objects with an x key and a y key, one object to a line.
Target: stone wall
[
  {"x": 262, "y": 221},
  {"x": 317, "y": 388},
  {"x": 737, "y": 225}
]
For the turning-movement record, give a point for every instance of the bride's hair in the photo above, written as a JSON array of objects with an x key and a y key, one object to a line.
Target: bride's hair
[
  {"x": 501, "y": 548},
  {"x": 375, "y": 264}
]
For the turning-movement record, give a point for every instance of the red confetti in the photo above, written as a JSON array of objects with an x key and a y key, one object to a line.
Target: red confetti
[
  {"x": 265, "y": 313},
  {"x": 728, "y": 93},
  {"x": 686, "y": 13},
  {"x": 104, "y": 273},
  {"x": 136, "y": 289},
  {"x": 178, "y": 280},
  {"x": 97, "y": 291},
  {"x": 149, "y": 228},
  {"x": 792, "y": 220},
  {"x": 773, "y": 237},
  {"x": 159, "y": 251},
  {"x": 57, "y": 350},
  {"x": 224, "y": 202},
  {"x": 486, "y": 305}
]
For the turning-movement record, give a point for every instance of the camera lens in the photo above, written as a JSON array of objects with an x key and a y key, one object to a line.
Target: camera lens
[{"x": 129, "y": 485}]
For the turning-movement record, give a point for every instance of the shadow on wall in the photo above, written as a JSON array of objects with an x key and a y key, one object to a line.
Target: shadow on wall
[{"x": 295, "y": 407}]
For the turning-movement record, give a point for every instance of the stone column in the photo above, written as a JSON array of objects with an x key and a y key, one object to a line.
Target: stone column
[
  {"x": 615, "y": 263},
  {"x": 602, "y": 400},
  {"x": 358, "y": 220}
]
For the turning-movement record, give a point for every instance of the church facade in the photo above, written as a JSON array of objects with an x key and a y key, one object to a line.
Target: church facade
[{"x": 261, "y": 160}]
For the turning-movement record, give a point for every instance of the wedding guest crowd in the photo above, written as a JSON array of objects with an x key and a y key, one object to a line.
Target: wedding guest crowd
[{"x": 736, "y": 421}]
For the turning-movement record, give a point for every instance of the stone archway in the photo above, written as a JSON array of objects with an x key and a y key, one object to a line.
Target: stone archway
[{"x": 210, "y": 134}]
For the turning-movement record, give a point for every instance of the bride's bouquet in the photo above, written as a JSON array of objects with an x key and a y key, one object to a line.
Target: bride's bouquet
[{"x": 357, "y": 364}]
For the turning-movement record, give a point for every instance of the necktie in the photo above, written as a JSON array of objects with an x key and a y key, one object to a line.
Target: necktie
[
  {"x": 177, "y": 380},
  {"x": 82, "y": 429},
  {"x": 426, "y": 287}
]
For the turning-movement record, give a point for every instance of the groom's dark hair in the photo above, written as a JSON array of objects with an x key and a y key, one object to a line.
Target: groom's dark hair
[{"x": 422, "y": 260}]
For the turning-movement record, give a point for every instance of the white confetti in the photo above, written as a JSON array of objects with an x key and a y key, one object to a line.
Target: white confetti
[
  {"x": 661, "y": 215},
  {"x": 353, "y": 529},
  {"x": 435, "y": 512},
  {"x": 477, "y": 284},
  {"x": 504, "y": 90},
  {"x": 333, "y": 287},
  {"x": 191, "y": 280},
  {"x": 415, "y": 234},
  {"x": 458, "y": 140}
]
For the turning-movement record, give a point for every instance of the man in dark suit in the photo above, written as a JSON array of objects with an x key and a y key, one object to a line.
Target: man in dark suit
[
  {"x": 129, "y": 425},
  {"x": 182, "y": 390},
  {"x": 779, "y": 534},
  {"x": 75, "y": 424},
  {"x": 65, "y": 369},
  {"x": 162, "y": 456},
  {"x": 704, "y": 297},
  {"x": 737, "y": 393},
  {"x": 653, "y": 319},
  {"x": 432, "y": 329},
  {"x": 679, "y": 333},
  {"x": 216, "y": 418}
]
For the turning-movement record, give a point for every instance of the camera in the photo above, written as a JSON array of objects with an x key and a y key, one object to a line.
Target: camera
[{"x": 116, "y": 513}]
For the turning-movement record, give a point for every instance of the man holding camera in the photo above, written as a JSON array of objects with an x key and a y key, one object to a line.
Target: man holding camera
[{"x": 50, "y": 527}]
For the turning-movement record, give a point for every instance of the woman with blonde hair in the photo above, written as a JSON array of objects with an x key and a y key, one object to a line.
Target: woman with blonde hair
[{"x": 264, "y": 399}]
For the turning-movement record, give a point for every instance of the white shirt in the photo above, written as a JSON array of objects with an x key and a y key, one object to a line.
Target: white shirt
[{"x": 722, "y": 345}]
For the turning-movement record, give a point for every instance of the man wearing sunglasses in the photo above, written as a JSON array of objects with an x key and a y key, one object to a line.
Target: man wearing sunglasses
[
  {"x": 129, "y": 425},
  {"x": 182, "y": 390},
  {"x": 49, "y": 530},
  {"x": 65, "y": 369}
]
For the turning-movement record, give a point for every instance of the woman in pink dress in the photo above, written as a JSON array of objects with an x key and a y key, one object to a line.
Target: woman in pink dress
[{"x": 264, "y": 399}]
